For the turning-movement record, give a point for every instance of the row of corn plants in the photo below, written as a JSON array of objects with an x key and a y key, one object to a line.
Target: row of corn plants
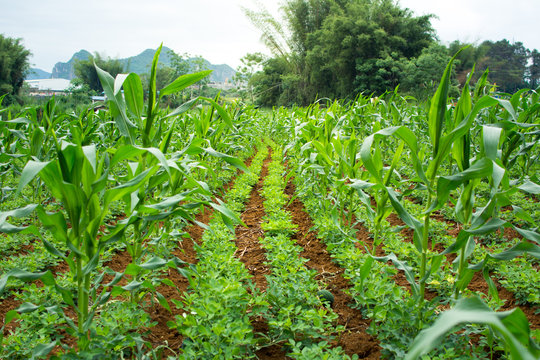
[
  {"x": 332, "y": 151},
  {"x": 138, "y": 165}
]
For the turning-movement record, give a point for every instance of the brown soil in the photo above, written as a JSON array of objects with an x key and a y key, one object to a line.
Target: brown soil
[
  {"x": 354, "y": 340},
  {"x": 250, "y": 251}
]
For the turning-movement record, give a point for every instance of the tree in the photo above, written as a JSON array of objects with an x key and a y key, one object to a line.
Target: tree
[
  {"x": 14, "y": 63},
  {"x": 339, "y": 48},
  {"x": 179, "y": 63},
  {"x": 86, "y": 71},
  {"x": 533, "y": 71},
  {"x": 421, "y": 75},
  {"x": 269, "y": 83},
  {"x": 507, "y": 64},
  {"x": 251, "y": 63}
]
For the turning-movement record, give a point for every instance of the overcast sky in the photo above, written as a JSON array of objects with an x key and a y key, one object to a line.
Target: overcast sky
[{"x": 54, "y": 30}]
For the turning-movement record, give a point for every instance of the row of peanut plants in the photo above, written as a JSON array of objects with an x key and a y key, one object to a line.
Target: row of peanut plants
[
  {"x": 216, "y": 320},
  {"x": 296, "y": 316}
]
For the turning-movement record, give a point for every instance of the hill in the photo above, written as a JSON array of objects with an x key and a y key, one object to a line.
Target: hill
[
  {"x": 36, "y": 73},
  {"x": 139, "y": 64}
]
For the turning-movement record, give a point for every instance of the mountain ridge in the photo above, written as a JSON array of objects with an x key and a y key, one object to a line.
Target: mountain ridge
[{"x": 139, "y": 64}]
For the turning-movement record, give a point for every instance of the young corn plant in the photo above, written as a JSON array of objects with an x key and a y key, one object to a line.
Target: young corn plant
[
  {"x": 149, "y": 139},
  {"x": 454, "y": 141},
  {"x": 80, "y": 178}
]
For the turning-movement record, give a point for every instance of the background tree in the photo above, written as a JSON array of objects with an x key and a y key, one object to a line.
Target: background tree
[
  {"x": 533, "y": 72},
  {"x": 507, "y": 64},
  {"x": 250, "y": 64},
  {"x": 421, "y": 75},
  {"x": 14, "y": 63},
  {"x": 86, "y": 71},
  {"x": 339, "y": 48}
]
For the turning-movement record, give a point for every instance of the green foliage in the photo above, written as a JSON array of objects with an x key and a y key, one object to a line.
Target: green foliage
[
  {"x": 339, "y": 49},
  {"x": 14, "y": 63},
  {"x": 511, "y": 326},
  {"x": 85, "y": 70}
]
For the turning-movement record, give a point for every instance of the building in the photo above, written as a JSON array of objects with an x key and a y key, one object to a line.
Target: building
[{"x": 48, "y": 87}]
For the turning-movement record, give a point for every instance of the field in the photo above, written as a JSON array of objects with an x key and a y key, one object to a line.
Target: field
[{"x": 378, "y": 228}]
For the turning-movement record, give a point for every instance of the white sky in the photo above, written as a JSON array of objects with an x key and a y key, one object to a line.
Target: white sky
[{"x": 217, "y": 29}]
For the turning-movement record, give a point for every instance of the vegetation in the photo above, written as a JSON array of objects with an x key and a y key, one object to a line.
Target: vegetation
[
  {"x": 340, "y": 49},
  {"x": 127, "y": 181},
  {"x": 85, "y": 70},
  {"x": 14, "y": 63}
]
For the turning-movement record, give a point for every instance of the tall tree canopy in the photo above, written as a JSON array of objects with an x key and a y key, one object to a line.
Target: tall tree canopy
[
  {"x": 14, "y": 63},
  {"x": 86, "y": 72},
  {"x": 339, "y": 48}
]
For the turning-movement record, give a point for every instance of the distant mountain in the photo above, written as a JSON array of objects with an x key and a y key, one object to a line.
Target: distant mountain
[
  {"x": 36, "y": 73},
  {"x": 139, "y": 64},
  {"x": 65, "y": 70}
]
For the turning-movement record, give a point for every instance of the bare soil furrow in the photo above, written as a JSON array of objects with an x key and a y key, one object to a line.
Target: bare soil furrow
[{"x": 354, "y": 340}]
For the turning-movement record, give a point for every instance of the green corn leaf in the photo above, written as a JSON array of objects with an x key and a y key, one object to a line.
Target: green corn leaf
[
  {"x": 134, "y": 95},
  {"x": 401, "y": 265},
  {"x": 227, "y": 214},
  {"x": 480, "y": 169},
  {"x": 491, "y": 137},
  {"x": 221, "y": 111},
  {"x": 512, "y": 325},
  {"x": 183, "y": 82},
  {"x": 154, "y": 263},
  {"x": 151, "y": 98},
  {"x": 20, "y": 275},
  {"x": 437, "y": 109},
  {"x": 460, "y": 130},
  {"x": 163, "y": 302},
  {"x": 234, "y": 161},
  {"x": 407, "y": 218},
  {"x": 30, "y": 171},
  {"x": 530, "y": 187},
  {"x": 6, "y": 227}
]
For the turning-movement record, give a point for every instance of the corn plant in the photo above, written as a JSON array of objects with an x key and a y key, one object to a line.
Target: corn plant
[
  {"x": 80, "y": 178},
  {"x": 455, "y": 141},
  {"x": 511, "y": 326}
]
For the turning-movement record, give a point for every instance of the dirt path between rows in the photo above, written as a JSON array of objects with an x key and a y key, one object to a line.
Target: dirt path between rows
[{"x": 354, "y": 340}]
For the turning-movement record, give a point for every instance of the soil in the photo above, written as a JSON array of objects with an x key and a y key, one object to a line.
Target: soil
[{"x": 354, "y": 340}]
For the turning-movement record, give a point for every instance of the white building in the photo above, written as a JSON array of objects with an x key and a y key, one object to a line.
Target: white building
[{"x": 48, "y": 87}]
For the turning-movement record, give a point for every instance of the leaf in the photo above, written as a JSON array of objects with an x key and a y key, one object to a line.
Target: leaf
[
  {"x": 154, "y": 263},
  {"x": 183, "y": 82},
  {"x": 30, "y": 171},
  {"x": 401, "y": 265},
  {"x": 530, "y": 187},
  {"x": 221, "y": 111},
  {"x": 17, "y": 213},
  {"x": 134, "y": 95},
  {"x": 125, "y": 126},
  {"x": 445, "y": 184},
  {"x": 437, "y": 109},
  {"x": 20, "y": 275},
  {"x": 226, "y": 212},
  {"x": 234, "y": 161},
  {"x": 512, "y": 325}
]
